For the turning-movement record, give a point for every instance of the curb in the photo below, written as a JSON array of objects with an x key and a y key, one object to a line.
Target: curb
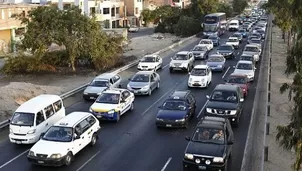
[{"x": 130, "y": 65}]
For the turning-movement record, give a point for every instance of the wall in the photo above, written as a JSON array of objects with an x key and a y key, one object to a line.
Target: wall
[
  {"x": 5, "y": 41},
  {"x": 129, "y": 7}
]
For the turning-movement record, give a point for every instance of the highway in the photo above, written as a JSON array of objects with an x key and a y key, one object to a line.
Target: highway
[{"x": 134, "y": 143}]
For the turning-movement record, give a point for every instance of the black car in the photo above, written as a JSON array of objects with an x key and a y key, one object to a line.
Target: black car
[
  {"x": 226, "y": 101},
  {"x": 177, "y": 110},
  {"x": 239, "y": 36},
  {"x": 215, "y": 39},
  {"x": 210, "y": 146},
  {"x": 226, "y": 50}
]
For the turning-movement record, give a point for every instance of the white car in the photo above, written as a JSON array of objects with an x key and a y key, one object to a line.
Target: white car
[
  {"x": 62, "y": 141},
  {"x": 234, "y": 41},
  {"x": 253, "y": 49},
  {"x": 200, "y": 76},
  {"x": 133, "y": 29},
  {"x": 112, "y": 104},
  {"x": 245, "y": 67},
  {"x": 182, "y": 61},
  {"x": 207, "y": 42},
  {"x": 150, "y": 62}
]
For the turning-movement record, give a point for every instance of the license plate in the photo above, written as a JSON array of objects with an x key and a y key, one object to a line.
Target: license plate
[
  {"x": 177, "y": 68},
  {"x": 41, "y": 162},
  {"x": 202, "y": 167},
  {"x": 92, "y": 98},
  {"x": 168, "y": 125},
  {"x": 18, "y": 142},
  {"x": 135, "y": 91},
  {"x": 99, "y": 116}
]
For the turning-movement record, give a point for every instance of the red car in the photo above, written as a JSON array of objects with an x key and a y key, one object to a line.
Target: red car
[{"x": 241, "y": 80}]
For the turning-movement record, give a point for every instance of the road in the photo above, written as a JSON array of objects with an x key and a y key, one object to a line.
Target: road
[
  {"x": 144, "y": 31},
  {"x": 135, "y": 144}
]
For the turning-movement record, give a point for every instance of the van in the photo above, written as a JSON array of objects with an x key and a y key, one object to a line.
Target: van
[
  {"x": 35, "y": 117},
  {"x": 234, "y": 25}
]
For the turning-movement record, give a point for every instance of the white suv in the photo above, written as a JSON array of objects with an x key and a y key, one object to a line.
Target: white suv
[
  {"x": 182, "y": 61},
  {"x": 66, "y": 138},
  {"x": 200, "y": 76},
  {"x": 234, "y": 41}
]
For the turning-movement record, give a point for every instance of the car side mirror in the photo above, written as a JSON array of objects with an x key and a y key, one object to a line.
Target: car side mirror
[
  {"x": 225, "y": 80},
  {"x": 42, "y": 135},
  {"x": 230, "y": 143},
  {"x": 255, "y": 68},
  {"x": 129, "y": 79},
  {"x": 76, "y": 137},
  {"x": 159, "y": 107},
  {"x": 242, "y": 100},
  {"x": 187, "y": 138},
  {"x": 234, "y": 66},
  {"x": 207, "y": 96},
  {"x": 123, "y": 100},
  {"x": 189, "y": 73}
]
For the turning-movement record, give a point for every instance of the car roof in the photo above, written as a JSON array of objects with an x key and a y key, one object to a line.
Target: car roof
[
  {"x": 233, "y": 38},
  {"x": 200, "y": 45},
  {"x": 249, "y": 55},
  {"x": 114, "y": 90},
  {"x": 72, "y": 119},
  {"x": 179, "y": 94},
  {"x": 182, "y": 53},
  {"x": 151, "y": 55},
  {"x": 209, "y": 123},
  {"x": 215, "y": 55},
  {"x": 226, "y": 87},
  {"x": 145, "y": 72},
  {"x": 238, "y": 75},
  {"x": 245, "y": 62},
  {"x": 205, "y": 40},
  {"x": 38, "y": 103},
  {"x": 251, "y": 45},
  {"x": 201, "y": 66},
  {"x": 105, "y": 76}
]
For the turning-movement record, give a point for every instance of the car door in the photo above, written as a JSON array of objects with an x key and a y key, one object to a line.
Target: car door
[
  {"x": 191, "y": 58},
  {"x": 191, "y": 101},
  {"x": 40, "y": 122},
  {"x": 229, "y": 138},
  {"x": 152, "y": 81},
  {"x": 85, "y": 136},
  {"x": 159, "y": 62},
  {"x": 116, "y": 81},
  {"x": 111, "y": 83},
  {"x": 50, "y": 116},
  {"x": 78, "y": 141},
  {"x": 209, "y": 72},
  {"x": 125, "y": 101}
]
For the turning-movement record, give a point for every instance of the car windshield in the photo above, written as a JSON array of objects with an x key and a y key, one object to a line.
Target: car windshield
[
  {"x": 209, "y": 135},
  {"x": 216, "y": 59},
  {"x": 228, "y": 48},
  {"x": 213, "y": 38},
  {"x": 225, "y": 96},
  {"x": 237, "y": 80},
  {"x": 257, "y": 41},
  {"x": 99, "y": 83},
  {"x": 141, "y": 78},
  {"x": 232, "y": 40},
  {"x": 233, "y": 24},
  {"x": 247, "y": 58},
  {"x": 251, "y": 49},
  {"x": 199, "y": 72},
  {"x": 204, "y": 42},
  {"x": 174, "y": 105},
  {"x": 148, "y": 59},
  {"x": 260, "y": 31},
  {"x": 242, "y": 31},
  {"x": 58, "y": 134},
  {"x": 210, "y": 28},
  {"x": 180, "y": 57},
  {"x": 23, "y": 119},
  {"x": 200, "y": 48},
  {"x": 109, "y": 98},
  {"x": 237, "y": 35},
  {"x": 244, "y": 66}
]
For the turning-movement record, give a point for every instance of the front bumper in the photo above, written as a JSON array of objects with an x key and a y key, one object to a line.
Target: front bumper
[
  {"x": 145, "y": 69},
  {"x": 178, "y": 68},
  {"x": 191, "y": 166},
  {"x": 106, "y": 116},
  {"x": 215, "y": 68},
  {"x": 197, "y": 84},
  {"x": 227, "y": 55},
  {"x": 28, "y": 139},
  {"x": 90, "y": 96},
  {"x": 140, "y": 91},
  {"x": 46, "y": 161},
  {"x": 199, "y": 56},
  {"x": 233, "y": 28},
  {"x": 233, "y": 118},
  {"x": 170, "y": 124}
]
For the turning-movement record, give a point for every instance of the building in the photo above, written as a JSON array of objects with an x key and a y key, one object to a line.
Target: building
[
  {"x": 11, "y": 29},
  {"x": 133, "y": 9}
]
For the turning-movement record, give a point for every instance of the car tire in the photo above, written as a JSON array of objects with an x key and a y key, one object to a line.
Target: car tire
[
  {"x": 132, "y": 106},
  {"x": 186, "y": 125},
  {"x": 120, "y": 86},
  {"x": 68, "y": 159},
  {"x": 207, "y": 85},
  {"x": 149, "y": 92},
  {"x": 118, "y": 116},
  {"x": 158, "y": 86},
  {"x": 93, "y": 140}
]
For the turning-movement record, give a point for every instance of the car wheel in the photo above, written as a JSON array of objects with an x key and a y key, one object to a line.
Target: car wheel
[
  {"x": 132, "y": 106},
  {"x": 93, "y": 139},
  {"x": 187, "y": 124},
  {"x": 68, "y": 159},
  {"x": 118, "y": 117},
  {"x": 207, "y": 85},
  {"x": 157, "y": 85},
  {"x": 188, "y": 68},
  {"x": 120, "y": 86},
  {"x": 150, "y": 92}
]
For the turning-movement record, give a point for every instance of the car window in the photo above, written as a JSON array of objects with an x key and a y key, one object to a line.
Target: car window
[
  {"x": 237, "y": 80},
  {"x": 109, "y": 98},
  {"x": 148, "y": 59},
  {"x": 180, "y": 57},
  {"x": 211, "y": 135},
  {"x": 49, "y": 111},
  {"x": 91, "y": 120},
  {"x": 40, "y": 118},
  {"x": 58, "y": 134},
  {"x": 126, "y": 94},
  {"x": 99, "y": 83},
  {"x": 224, "y": 96},
  {"x": 141, "y": 78},
  {"x": 200, "y": 48},
  {"x": 174, "y": 105},
  {"x": 84, "y": 125},
  {"x": 198, "y": 72},
  {"x": 244, "y": 66},
  {"x": 116, "y": 78},
  {"x": 58, "y": 105}
]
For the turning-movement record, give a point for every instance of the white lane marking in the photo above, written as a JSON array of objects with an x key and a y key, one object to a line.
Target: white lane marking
[
  {"x": 200, "y": 112},
  {"x": 226, "y": 72},
  {"x": 165, "y": 66},
  {"x": 80, "y": 168},
  {"x": 13, "y": 159},
  {"x": 166, "y": 164}
]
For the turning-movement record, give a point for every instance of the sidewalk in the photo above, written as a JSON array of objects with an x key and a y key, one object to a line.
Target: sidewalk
[{"x": 279, "y": 159}]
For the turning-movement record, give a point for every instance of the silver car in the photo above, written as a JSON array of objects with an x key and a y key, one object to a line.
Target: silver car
[
  {"x": 101, "y": 83},
  {"x": 253, "y": 49},
  {"x": 144, "y": 82},
  {"x": 200, "y": 52}
]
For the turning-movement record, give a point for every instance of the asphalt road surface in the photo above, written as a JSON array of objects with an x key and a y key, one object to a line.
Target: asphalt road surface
[
  {"x": 134, "y": 143},
  {"x": 144, "y": 31}
]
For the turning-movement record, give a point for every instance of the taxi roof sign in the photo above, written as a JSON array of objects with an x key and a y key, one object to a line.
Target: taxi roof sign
[
  {"x": 175, "y": 97},
  {"x": 63, "y": 123}
]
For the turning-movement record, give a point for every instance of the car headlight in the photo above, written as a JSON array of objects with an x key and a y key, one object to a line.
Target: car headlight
[
  {"x": 219, "y": 66},
  {"x": 171, "y": 65},
  {"x": 128, "y": 86},
  {"x": 147, "y": 87},
  {"x": 11, "y": 131},
  {"x": 201, "y": 54},
  {"x": 56, "y": 156},
  {"x": 31, "y": 153},
  {"x": 138, "y": 66},
  {"x": 189, "y": 156},
  {"x": 202, "y": 80},
  {"x": 209, "y": 110},
  {"x": 31, "y": 131},
  {"x": 110, "y": 112},
  {"x": 190, "y": 79},
  {"x": 233, "y": 112},
  {"x": 218, "y": 160},
  {"x": 85, "y": 93},
  {"x": 90, "y": 110},
  {"x": 180, "y": 120},
  {"x": 184, "y": 64},
  {"x": 159, "y": 119}
]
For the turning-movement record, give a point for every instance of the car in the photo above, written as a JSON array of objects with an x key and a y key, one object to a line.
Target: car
[
  {"x": 144, "y": 82},
  {"x": 101, "y": 83},
  {"x": 247, "y": 57},
  {"x": 245, "y": 67},
  {"x": 226, "y": 50},
  {"x": 239, "y": 36},
  {"x": 150, "y": 62},
  {"x": 200, "y": 51},
  {"x": 210, "y": 146},
  {"x": 177, "y": 110},
  {"x": 225, "y": 101},
  {"x": 133, "y": 28},
  {"x": 240, "y": 80},
  {"x": 63, "y": 140},
  {"x": 246, "y": 27},
  {"x": 200, "y": 76},
  {"x": 215, "y": 39},
  {"x": 262, "y": 22},
  {"x": 255, "y": 35},
  {"x": 216, "y": 62},
  {"x": 253, "y": 49},
  {"x": 248, "y": 24},
  {"x": 207, "y": 42},
  {"x": 112, "y": 104},
  {"x": 243, "y": 32},
  {"x": 256, "y": 41},
  {"x": 261, "y": 26},
  {"x": 182, "y": 61},
  {"x": 261, "y": 32},
  {"x": 234, "y": 41},
  {"x": 234, "y": 25}
]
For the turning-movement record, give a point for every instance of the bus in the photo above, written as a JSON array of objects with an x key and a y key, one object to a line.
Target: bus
[{"x": 214, "y": 23}]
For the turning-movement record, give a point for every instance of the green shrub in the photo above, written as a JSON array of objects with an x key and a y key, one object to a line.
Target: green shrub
[
  {"x": 56, "y": 58},
  {"x": 187, "y": 26}
]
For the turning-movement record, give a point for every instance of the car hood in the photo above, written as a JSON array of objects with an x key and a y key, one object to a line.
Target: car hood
[
  {"x": 231, "y": 43},
  {"x": 241, "y": 71},
  {"x": 197, "y": 78},
  {"x": 224, "y": 51},
  {"x": 207, "y": 149},
  {"x": 149, "y": 64},
  {"x": 222, "y": 105},
  {"x": 138, "y": 84},
  {"x": 199, "y": 52},
  {"x": 240, "y": 85},
  {"x": 92, "y": 89},
  {"x": 51, "y": 147},
  {"x": 214, "y": 40},
  {"x": 103, "y": 107},
  {"x": 214, "y": 63},
  {"x": 171, "y": 114}
]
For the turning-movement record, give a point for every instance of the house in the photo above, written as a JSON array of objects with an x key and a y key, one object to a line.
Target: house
[
  {"x": 11, "y": 30},
  {"x": 133, "y": 9}
]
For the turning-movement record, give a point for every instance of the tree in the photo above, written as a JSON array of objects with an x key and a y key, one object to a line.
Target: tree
[
  {"x": 147, "y": 16},
  {"x": 239, "y": 6},
  {"x": 224, "y": 7},
  {"x": 207, "y": 6}
]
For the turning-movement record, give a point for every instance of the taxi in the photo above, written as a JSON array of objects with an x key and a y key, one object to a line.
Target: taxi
[{"x": 112, "y": 103}]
